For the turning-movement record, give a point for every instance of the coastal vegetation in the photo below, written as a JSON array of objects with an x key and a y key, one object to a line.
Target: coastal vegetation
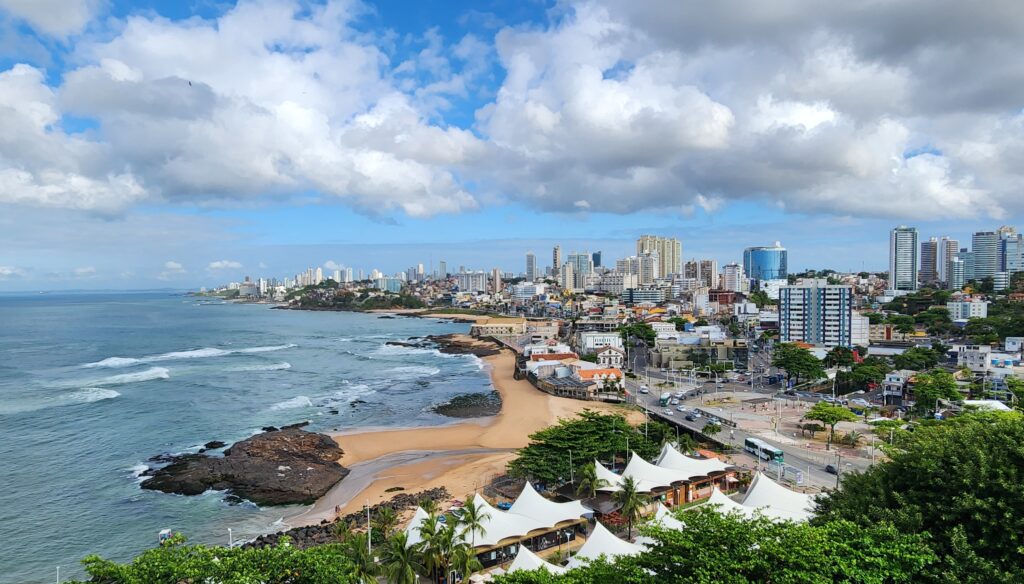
[
  {"x": 328, "y": 296},
  {"x": 589, "y": 437}
]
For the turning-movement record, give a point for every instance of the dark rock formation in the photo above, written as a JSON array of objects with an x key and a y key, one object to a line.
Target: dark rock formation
[
  {"x": 304, "y": 537},
  {"x": 451, "y": 345},
  {"x": 280, "y": 467},
  {"x": 470, "y": 405},
  {"x": 213, "y": 444}
]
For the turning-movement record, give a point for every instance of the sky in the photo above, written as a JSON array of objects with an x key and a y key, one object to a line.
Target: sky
[{"x": 178, "y": 144}]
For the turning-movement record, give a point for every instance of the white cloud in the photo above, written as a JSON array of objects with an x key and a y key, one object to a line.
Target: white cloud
[
  {"x": 172, "y": 269},
  {"x": 224, "y": 265},
  {"x": 172, "y": 266},
  {"x": 10, "y": 272},
  {"x": 332, "y": 265},
  {"x": 85, "y": 272},
  {"x": 53, "y": 17}
]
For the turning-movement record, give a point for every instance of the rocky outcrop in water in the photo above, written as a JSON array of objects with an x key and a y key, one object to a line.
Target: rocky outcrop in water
[
  {"x": 279, "y": 467},
  {"x": 470, "y": 405},
  {"x": 303, "y": 537},
  {"x": 451, "y": 345}
]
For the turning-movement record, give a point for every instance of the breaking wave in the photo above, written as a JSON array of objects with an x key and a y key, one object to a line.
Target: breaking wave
[
  {"x": 414, "y": 371},
  {"x": 299, "y": 401},
  {"x": 203, "y": 353},
  {"x": 92, "y": 394},
  {"x": 284, "y": 365},
  {"x": 147, "y": 375}
]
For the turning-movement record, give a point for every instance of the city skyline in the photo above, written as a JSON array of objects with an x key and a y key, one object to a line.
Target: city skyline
[{"x": 328, "y": 130}]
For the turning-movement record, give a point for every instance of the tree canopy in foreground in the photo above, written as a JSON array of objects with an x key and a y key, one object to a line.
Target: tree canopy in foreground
[{"x": 716, "y": 548}]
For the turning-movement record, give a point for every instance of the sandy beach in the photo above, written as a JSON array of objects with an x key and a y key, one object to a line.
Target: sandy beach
[{"x": 460, "y": 457}]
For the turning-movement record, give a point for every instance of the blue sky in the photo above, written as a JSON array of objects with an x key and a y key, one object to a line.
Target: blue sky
[{"x": 151, "y": 142}]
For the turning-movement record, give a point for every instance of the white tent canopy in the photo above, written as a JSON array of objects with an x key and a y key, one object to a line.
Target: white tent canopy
[
  {"x": 649, "y": 476},
  {"x": 675, "y": 460},
  {"x": 529, "y": 561},
  {"x": 603, "y": 543},
  {"x": 777, "y": 500},
  {"x": 501, "y": 524},
  {"x": 727, "y": 505},
  {"x": 531, "y": 504},
  {"x": 412, "y": 531},
  {"x": 608, "y": 476},
  {"x": 665, "y": 517}
]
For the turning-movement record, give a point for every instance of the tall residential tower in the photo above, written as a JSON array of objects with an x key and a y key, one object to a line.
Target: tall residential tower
[{"x": 903, "y": 258}]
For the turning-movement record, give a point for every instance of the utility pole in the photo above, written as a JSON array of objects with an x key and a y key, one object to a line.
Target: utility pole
[{"x": 369, "y": 534}]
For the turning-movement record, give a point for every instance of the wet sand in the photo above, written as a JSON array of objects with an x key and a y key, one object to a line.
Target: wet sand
[{"x": 460, "y": 457}]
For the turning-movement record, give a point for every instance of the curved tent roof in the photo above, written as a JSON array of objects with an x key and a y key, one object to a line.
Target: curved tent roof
[
  {"x": 675, "y": 460},
  {"x": 529, "y": 561},
  {"x": 649, "y": 476},
  {"x": 727, "y": 505},
  {"x": 531, "y": 504},
  {"x": 603, "y": 543},
  {"x": 777, "y": 500},
  {"x": 501, "y": 524},
  {"x": 412, "y": 531},
  {"x": 611, "y": 478},
  {"x": 665, "y": 517}
]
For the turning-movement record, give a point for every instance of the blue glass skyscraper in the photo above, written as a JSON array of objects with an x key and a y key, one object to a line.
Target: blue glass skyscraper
[{"x": 765, "y": 263}]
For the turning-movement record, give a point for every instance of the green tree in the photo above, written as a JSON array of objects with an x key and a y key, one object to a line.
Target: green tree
[
  {"x": 364, "y": 568},
  {"x": 711, "y": 429},
  {"x": 840, "y": 357},
  {"x": 829, "y": 415},
  {"x": 929, "y": 388},
  {"x": 916, "y": 359},
  {"x": 401, "y": 562},
  {"x": 588, "y": 482},
  {"x": 631, "y": 502},
  {"x": 464, "y": 561},
  {"x": 384, "y": 521},
  {"x": 797, "y": 362},
  {"x": 960, "y": 484},
  {"x": 473, "y": 518}
]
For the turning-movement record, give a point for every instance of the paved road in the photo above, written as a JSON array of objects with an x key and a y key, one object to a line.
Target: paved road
[{"x": 812, "y": 464}]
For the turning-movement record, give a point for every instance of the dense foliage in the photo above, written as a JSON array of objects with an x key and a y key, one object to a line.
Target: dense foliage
[
  {"x": 797, "y": 362},
  {"x": 174, "y": 562},
  {"x": 960, "y": 483},
  {"x": 640, "y": 330},
  {"x": 590, "y": 436},
  {"x": 829, "y": 415},
  {"x": 715, "y": 548},
  {"x": 330, "y": 297}
]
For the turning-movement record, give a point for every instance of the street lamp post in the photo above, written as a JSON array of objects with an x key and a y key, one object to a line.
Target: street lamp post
[{"x": 231, "y": 539}]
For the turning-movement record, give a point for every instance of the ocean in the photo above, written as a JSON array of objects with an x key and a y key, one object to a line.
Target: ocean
[{"x": 93, "y": 385}]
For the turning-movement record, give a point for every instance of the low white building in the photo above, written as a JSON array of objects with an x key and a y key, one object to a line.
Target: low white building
[
  {"x": 611, "y": 357},
  {"x": 860, "y": 330},
  {"x": 590, "y": 341},
  {"x": 663, "y": 327}
]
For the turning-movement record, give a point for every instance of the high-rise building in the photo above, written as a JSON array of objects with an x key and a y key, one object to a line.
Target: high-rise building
[
  {"x": 706, "y": 271},
  {"x": 442, "y": 270},
  {"x": 669, "y": 250},
  {"x": 1013, "y": 254},
  {"x": 348, "y": 275},
  {"x": 903, "y": 259},
  {"x": 531, "y": 267},
  {"x": 319, "y": 276},
  {"x": 947, "y": 250},
  {"x": 929, "y": 261},
  {"x": 766, "y": 263},
  {"x": 985, "y": 247},
  {"x": 568, "y": 278},
  {"x": 496, "y": 280},
  {"x": 472, "y": 281},
  {"x": 337, "y": 276},
  {"x": 596, "y": 256},
  {"x": 582, "y": 266},
  {"x": 812, "y": 311},
  {"x": 733, "y": 278},
  {"x": 956, "y": 273},
  {"x": 556, "y": 260}
]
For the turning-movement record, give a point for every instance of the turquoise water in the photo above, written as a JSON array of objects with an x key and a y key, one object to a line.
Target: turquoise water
[{"x": 93, "y": 385}]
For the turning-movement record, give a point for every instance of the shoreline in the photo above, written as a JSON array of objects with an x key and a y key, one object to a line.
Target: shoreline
[{"x": 461, "y": 457}]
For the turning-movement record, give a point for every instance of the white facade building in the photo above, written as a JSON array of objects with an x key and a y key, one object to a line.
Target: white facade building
[
  {"x": 590, "y": 341},
  {"x": 904, "y": 262},
  {"x": 815, "y": 312},
  {"x": 968, "y": 309}
]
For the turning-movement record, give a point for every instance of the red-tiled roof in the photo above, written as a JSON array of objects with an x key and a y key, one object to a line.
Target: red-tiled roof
[
  {"x": 552, "y": 356},
  {"x": 591, "y": 373}
]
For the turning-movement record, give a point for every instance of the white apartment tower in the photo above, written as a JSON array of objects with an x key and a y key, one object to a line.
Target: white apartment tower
[
  {"x": 814, "y": 312},
  {"x": 531, "y": 267},
  {"x": 903, "y": 258}
]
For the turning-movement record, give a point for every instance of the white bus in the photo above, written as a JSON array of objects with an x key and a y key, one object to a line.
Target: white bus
[{"x": 762, "y": 450}]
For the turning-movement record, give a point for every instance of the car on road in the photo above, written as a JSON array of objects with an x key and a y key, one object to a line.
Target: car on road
[
  {"x": 680, "y": 408},
  {"x": 673, "y": 402},
  {"x": 828, "y": 399},
  {"x": 859, "y": 401},
  {"x": 668, "y": 412},
  {"x": 831, "y": 469},
  {"x": 691, "y": 418},
  {"x": 644, "y": 389},
  {"x": 678, "y": 395}
]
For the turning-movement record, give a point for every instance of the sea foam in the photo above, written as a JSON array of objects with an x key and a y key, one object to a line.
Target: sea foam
[
  {"x": 299, "y": 401},
  {"x": 92, "y": 394},
  {"x": 284, "y": 365},
  {"x": 147, "y": 375},
  {"x": 204, "y": 353},
  {"x": 414, "y": 371}
]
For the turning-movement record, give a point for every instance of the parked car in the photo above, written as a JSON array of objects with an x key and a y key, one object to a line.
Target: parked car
[{"x": 831, "y": 469}]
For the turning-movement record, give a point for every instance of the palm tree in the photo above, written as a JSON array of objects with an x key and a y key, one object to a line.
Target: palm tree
[
  {"x": 589, "y": 483},
  {"x": 428, "y": 535},
  {"x": 686, "y": 443},
  {"x": 473, "y": 518},
  {"x": 401, "y": 562},
  {"x": 464, "y": 560},
  {"x": 631, "y": 502},
  {"x": 342, "y": 530},
  {"x": 438, "y": 549},
  {"x": 363, "y": 569},
  {"x": 385, "y": 520},
  {"x": 429, "y": 505}
]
